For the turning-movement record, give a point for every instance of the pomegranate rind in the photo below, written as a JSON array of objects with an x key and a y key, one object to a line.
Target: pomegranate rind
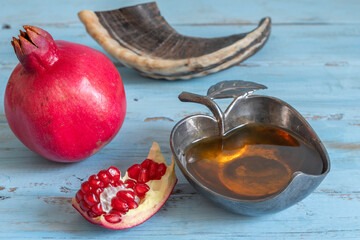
[{"x": 155, "y": 198}]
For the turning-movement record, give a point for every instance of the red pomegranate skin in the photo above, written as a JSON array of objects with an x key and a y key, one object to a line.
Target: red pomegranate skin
[{"x": 64, "y": 101}]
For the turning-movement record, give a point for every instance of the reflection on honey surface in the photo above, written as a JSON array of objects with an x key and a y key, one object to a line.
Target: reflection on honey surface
[{"x": 251, "y": 162}]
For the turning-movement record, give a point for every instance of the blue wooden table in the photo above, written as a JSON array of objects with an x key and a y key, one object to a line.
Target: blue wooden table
[{"x": 312, "y": 61}]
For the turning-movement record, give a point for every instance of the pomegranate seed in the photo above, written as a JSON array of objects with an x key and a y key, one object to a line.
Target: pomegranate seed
[
  {"x": 118, "y": 184},
  {"x": 84, "y": 206},
  {"x": 98, "y": 191},
  {"x": 104, "y": 177},
  {"x": 117, "y": 212},
  {"x": 141, "y": 189},
  {"x": 85, "y": 187},
  {"x": 79, "y": 196},
  {"x": 114, "y": 173},
  {"x": 127, "y": 196},
  {"x": 153, "y": 170},
  {"x": 97, "y": 209},
  {"x": 143, "y": 176},
  {"x": 91, "y": 199},
  {"x": 146, "y": 163},
  {"x": 112, "y": 218},
  {"x": 130, "y": 183},
  {"x": 95, "y": 182},
  {"x": 134, "y": 171},
  {"x": 112, "y": 183},
  {"x": 91, "y": 214},
  {"x": 132, "y": 205},
  {"x": 119, "y": 204},
  {"x": 160, "y": 171}
]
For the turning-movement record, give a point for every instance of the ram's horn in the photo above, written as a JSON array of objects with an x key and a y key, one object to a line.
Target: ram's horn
[{"x": 139, "y": 37}]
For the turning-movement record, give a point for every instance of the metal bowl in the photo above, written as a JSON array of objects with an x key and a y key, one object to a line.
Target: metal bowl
[{"x": 245, "y": 109}]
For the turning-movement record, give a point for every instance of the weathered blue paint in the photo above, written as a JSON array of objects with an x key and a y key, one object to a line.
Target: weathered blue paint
[{"x": 311, "y": 61}]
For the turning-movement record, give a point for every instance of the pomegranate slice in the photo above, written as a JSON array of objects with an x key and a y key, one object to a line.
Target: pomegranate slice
[{"x": 116, "y": 202}]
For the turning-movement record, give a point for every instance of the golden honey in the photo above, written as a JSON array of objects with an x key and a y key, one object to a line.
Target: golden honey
[{"x": 251, "y": 162}]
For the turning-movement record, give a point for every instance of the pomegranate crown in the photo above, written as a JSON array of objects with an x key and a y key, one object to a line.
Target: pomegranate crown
[{"x": 35, "y": 48}]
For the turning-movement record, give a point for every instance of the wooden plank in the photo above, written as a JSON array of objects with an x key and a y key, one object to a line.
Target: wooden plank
[
  {"x": 287, "y": 45},
  {"x": 288, "y": 51},
  {"x": 186, "y": 215},
  {"x": 311, "y": 61},
  {"x": 63, "y": 13}
]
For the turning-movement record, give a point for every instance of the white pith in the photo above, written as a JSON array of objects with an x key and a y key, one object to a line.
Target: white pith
[{"x": 109, "y": 193}]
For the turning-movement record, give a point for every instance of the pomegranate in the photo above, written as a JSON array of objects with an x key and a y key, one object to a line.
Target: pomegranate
[
  {"x": 64, "y": 101},
  {"x": 113, "y": 202}
]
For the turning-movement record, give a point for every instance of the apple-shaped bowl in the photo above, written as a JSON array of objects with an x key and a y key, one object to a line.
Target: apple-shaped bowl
[{"x": 245, "y": 109}]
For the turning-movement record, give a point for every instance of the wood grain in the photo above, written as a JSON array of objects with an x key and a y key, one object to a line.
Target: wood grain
[{"x": 311, "y": 61}]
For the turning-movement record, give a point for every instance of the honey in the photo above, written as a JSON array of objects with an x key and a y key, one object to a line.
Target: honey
[{"x": 251, "y": 162}]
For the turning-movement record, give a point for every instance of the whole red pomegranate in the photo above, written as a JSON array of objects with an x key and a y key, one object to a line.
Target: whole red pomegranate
[{"x": 64, "y": 101}]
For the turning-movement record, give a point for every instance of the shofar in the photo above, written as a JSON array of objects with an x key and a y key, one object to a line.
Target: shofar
[{"x": 139, "y": 37}]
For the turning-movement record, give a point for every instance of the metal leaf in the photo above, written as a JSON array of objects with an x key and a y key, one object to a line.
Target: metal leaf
[{"x": 233, "y": 89}]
